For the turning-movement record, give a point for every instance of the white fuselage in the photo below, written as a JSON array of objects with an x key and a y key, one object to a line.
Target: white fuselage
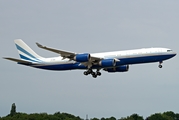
[
  {"x": 116, "y": 54},
  {"x": 126, "y": 57}
]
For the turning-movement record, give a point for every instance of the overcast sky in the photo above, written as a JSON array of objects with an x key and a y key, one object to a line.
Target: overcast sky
[{"x": 89, "y": 26}]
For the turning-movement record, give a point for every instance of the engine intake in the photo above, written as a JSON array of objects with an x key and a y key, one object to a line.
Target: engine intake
[
  {"x": 123, "y": 68},
  {"x": 85, "y": 57}
]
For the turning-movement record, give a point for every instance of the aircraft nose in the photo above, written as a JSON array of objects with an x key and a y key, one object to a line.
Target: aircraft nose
[{"x": 174, "y": 54}]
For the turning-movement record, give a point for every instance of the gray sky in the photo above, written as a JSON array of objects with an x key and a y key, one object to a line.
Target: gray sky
[{"x": 89, "y": 26}]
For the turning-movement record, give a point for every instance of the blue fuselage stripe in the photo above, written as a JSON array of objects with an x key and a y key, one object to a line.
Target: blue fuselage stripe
[{"x": 123, "y": 61}]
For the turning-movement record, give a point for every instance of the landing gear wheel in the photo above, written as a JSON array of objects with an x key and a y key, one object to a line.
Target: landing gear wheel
[
  {"x": 98, "y": 73},
  {"x": 160, "y": 66},
  {"x": 85, "y": 73},
  {"x": 94, "y": 76},
  {"x": 93, "y": 73}
]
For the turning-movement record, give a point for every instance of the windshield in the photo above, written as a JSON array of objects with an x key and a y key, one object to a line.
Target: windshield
[{"x": 169, "y": 50}]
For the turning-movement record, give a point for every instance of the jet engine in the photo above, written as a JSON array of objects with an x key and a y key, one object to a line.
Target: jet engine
[
  {"x": 107, "y": 63},
  {"x": 123, "y": 68},
  {"x": 85, "y": 57}
]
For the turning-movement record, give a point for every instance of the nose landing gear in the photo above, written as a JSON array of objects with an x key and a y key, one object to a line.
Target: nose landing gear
[{"x": 160, "y": 64}]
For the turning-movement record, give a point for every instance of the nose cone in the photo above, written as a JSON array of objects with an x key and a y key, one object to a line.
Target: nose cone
[{"x": 174, "y": 54}]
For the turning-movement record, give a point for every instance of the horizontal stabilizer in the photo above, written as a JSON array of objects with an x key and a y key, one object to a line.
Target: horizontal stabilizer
[{"x": 18, "y": 60}]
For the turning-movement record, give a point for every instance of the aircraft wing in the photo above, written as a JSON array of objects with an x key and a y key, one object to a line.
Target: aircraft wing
[
  {"x": 67, "y": 54},
  {"x": 18, "y": 60},
  {"x": 64, "y": 54}
]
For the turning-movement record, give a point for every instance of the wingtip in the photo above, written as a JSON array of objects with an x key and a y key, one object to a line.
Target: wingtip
[
  {"x": 7, "y": 58},
  {"x": 39, "y": 45},
  {"x": 4, "y": 58}
]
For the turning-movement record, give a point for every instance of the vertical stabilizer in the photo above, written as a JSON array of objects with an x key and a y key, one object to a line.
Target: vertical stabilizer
[{"x": 25, "y": 52}]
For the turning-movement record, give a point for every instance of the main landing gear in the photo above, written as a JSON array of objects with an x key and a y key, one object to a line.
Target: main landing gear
[
  {"x": 94, "y": 74},
  {"x": 160, "y": 64}
]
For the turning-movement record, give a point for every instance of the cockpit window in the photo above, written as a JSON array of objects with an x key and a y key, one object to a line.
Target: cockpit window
[{"x": 169, "y": 50}]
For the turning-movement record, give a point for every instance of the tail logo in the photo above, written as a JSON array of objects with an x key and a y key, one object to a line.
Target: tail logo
[{"x": 26, "y": 55}]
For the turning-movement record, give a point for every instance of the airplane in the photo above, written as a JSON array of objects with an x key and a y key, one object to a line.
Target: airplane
[{"x": 117, "y": 61}]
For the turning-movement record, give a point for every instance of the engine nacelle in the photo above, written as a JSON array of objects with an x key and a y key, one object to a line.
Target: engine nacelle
[
  {"x": 85, "y": 57},
  {"x": 107, "y": 63},
  {"x": 123, "y": 68}
]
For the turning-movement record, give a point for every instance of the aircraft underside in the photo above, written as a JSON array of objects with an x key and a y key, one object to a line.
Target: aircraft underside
[{"x": 123, "y": 64}]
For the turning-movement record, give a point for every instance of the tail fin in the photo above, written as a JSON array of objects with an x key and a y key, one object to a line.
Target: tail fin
[{"x": 25, "y": 52}]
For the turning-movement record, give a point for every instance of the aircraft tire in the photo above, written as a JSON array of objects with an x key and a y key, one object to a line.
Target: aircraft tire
[
  {"x": 95, "y": 76},
  {"x": 85, "y": 73},
  {"x": 93, "y": 73},
  {"x": 160, "y": 66},
  {"x": 98, "y": 73}
]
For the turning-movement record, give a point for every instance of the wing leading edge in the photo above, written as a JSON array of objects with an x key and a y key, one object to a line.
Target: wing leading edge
[
  {"x": 67, "y": 54},
  {"x": 64, "y": 54}
]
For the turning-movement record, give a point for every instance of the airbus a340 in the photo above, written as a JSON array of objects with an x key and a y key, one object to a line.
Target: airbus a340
[{"x": 117, "y": 61}]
